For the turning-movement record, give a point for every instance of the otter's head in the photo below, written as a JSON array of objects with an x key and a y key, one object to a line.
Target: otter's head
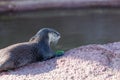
[{"x": 47, "y": 34}]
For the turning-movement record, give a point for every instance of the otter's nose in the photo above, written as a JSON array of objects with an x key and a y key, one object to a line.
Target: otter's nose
[{"x": 58, "y": 35}]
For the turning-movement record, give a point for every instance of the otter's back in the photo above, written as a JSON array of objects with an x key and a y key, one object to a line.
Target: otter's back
[{"x": 20, "y": 54}]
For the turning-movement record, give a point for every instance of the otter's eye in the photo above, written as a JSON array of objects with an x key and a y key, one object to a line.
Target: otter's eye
[{"x": 57, "y": 34}]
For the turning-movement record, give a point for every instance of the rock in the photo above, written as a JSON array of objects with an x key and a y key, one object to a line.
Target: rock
[{"x": 91, "y": 62}]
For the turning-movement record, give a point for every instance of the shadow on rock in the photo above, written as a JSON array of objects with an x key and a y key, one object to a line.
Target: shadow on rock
[{"x": 34, "y": 68}]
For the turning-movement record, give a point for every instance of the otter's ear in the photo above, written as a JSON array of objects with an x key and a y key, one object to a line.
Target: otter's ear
[{"x": 32, "y": 39}]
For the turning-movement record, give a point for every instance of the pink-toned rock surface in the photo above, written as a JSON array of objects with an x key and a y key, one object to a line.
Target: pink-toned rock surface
[{"x": 91, "y": 62}]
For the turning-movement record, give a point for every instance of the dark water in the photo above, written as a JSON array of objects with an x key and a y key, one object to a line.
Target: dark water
[{"x": 77, "y": 27}]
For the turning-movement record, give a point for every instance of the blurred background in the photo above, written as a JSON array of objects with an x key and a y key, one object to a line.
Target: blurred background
[{"x": 80, "y": 22}]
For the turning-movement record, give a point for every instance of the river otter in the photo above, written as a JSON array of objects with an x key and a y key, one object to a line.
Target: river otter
[{"x": 36, "y": 49}]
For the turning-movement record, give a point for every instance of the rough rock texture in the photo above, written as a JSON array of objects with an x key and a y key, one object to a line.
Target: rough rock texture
[
  {"x": 91, "y": 62},
  {"x": 19, "y": 5}
]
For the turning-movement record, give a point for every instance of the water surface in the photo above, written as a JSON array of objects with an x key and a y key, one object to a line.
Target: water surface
[{"x": 77, "y": 27}]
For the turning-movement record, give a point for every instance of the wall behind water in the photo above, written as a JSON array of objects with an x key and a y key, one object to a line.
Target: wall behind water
[{"x": 20, "y": 5}]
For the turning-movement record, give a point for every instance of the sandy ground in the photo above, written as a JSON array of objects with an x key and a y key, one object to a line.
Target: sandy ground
[{"x": 91, "y": 62}]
